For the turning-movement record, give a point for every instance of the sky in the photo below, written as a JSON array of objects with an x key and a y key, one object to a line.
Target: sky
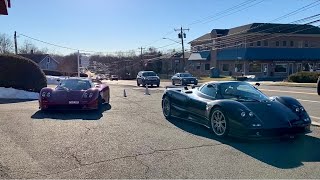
[{"x": 120, "y": 25}]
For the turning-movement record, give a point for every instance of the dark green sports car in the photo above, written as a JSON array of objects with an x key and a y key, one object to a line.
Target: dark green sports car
[{"x": 237, "y": 109}]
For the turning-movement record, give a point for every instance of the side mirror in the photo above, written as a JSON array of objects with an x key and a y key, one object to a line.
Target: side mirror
[
  {"x": 58, "y": 80},
  {"x": 257, "y": 84}
]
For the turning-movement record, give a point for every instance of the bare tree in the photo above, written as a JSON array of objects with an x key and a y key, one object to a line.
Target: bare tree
[
  {"x": 27, "y": 46},
  {"x": 6, "y": 45}
]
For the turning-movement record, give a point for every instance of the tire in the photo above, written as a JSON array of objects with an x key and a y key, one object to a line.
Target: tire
[
  {"x": 138, "y": 84},
  {"x": 318, "y": 86},
  {"x": 166, "y": 107},
  {"x": 219, "y": 122},
  {"x": 100, "y": 101},
  {"x": 173, "y": 83},
  {"x": 158, "y": 85}
]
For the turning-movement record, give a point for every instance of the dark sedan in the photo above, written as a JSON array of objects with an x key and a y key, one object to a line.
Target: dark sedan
[
  {"x": 74, "y": 93},
  {"x": 148, "y": 78},
  {"x": 184, "y": 79},
  {"x": 237, "y": 109}
]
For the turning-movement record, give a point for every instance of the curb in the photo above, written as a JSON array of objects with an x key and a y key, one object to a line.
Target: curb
[{"x": 315, "y": 124}]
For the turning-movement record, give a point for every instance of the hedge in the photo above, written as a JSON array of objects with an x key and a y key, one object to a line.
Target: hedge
[
  {"x": 304, "y": 77},
  {"x": 75, "y": 74},
  {"x": 21, "y": 73},
  {"x": 53, "y": 73}
]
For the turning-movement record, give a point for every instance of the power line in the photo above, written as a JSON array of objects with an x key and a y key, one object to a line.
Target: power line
[
  {"x": 222, "y": 12},
  {"x": 226, "y": 39},
  {"x": 311, "y": 5}
]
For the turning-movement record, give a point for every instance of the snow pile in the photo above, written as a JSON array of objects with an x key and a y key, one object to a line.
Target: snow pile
[
  {"x": 10, "y": 93},
  {"x": 53, "y": 79}
]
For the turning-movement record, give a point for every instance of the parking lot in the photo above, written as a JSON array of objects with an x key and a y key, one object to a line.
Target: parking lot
[{"x": 130, "y": 138}]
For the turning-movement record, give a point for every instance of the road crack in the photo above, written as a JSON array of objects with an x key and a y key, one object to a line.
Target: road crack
[{"x": 135, "y": 157}]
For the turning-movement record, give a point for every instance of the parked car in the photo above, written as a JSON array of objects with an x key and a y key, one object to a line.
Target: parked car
[
  {"x": 184, "y": 79},
  {"x": 114, "y": 77},
  {"x": 234, "y": 108},
  {"x": 75, "y": 93},
  {"x": 148, "y": 78}
]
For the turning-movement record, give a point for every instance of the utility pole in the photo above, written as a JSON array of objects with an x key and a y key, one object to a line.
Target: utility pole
[
  {"x": 182, "y": 35},
  {"x": 141, "y": 56},
  {"x": 78, "y": 63},
  {"x": 15, "y": 43}
]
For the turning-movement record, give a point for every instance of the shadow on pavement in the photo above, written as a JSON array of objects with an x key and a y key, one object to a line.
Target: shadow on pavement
[
  {"x": 71, "y": 114},
  {"x": 11, "y": 101},
  {"x": 280, "y": 153}
]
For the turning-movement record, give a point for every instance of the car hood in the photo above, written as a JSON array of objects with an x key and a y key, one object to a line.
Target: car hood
[
  {"x": 152, "y": 77},
  {"x": 272, "y": 114}
]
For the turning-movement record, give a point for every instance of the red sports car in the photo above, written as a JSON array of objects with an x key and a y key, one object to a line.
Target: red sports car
[{"x": 74, "y": 93}]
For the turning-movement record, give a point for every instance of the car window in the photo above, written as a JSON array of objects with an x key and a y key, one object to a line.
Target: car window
[
  {"x": 149, "y": 74},
  {"x": 185, "y": 75},
  {"x": 210, "y": 90},
  {"x": 75, "y": 84}
]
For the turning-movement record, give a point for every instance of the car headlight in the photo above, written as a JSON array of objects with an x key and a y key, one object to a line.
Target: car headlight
[
  {"x": 251, "y": 114},
  {"x": 48, "y": 94},
  {"x": 243, "y": 114},
  {"x": 85, "y": 95},
  {"x": 90, "y": 95},
  {"x": 43, "y": 94},
  {"x": 301, "y": 109},
  {"x": 297, "y": 109}
]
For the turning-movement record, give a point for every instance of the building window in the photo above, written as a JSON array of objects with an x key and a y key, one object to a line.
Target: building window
[
  {"x": 280, "y": 68},
  {"x": 251, "y": 44},
  {"x": 255, "y": 67},
  {"x": 265, "y": 43},
  {"x": 277, "y": 43},
  {"x": 207, "y": 67},
  {"x": 238, "y": 67},
  {"x": 225, "y": 67},
  {"x": 306, "y": 44},
  {"x": 198, "y": 65},
  {"x": 258, "y": 43},
  {"x": 284, "y": 43},
  {"x": 291, "y": 43}
]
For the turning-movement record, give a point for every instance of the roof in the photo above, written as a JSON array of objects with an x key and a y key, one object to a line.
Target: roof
[
  {"x": 202, "y": 56},
  {"x": 262, "y": 28},
  {"x": 35, "y": 57},
  {"x": 276, "y": 28},
  {"x": 202, "y": 38},
  {"x": 269, "y": 54}
]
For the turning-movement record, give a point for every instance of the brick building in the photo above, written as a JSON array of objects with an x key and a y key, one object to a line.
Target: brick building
[{"x": 260, "y": 49}]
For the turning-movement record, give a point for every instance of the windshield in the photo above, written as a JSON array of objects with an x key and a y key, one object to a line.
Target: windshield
[
  {"x": 241, "y": 91},
  {"x": 185, "y": 75},
  {"x": 75, "y": 84},
  {"x": 149, "y": 74}
]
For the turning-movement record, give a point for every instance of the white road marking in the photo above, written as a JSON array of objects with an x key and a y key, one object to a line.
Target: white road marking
[
  {"x": 313, "y": 117},
  {"x": 308, "y": 100},
  {"x": 294, "y": 92}
]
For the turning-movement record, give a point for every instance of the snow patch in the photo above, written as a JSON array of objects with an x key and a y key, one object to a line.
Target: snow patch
[
  {"x": 52, "y": 80},
  {"x": 11, "y": 93}
]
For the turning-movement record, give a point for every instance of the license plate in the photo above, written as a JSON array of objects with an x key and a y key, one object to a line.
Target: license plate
[
  {"x": 73, "y": 102},
  {"x": 192, "y": 81}
]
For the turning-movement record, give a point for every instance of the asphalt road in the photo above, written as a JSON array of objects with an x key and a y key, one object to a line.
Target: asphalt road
[{"x": 131, "y": 139}]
